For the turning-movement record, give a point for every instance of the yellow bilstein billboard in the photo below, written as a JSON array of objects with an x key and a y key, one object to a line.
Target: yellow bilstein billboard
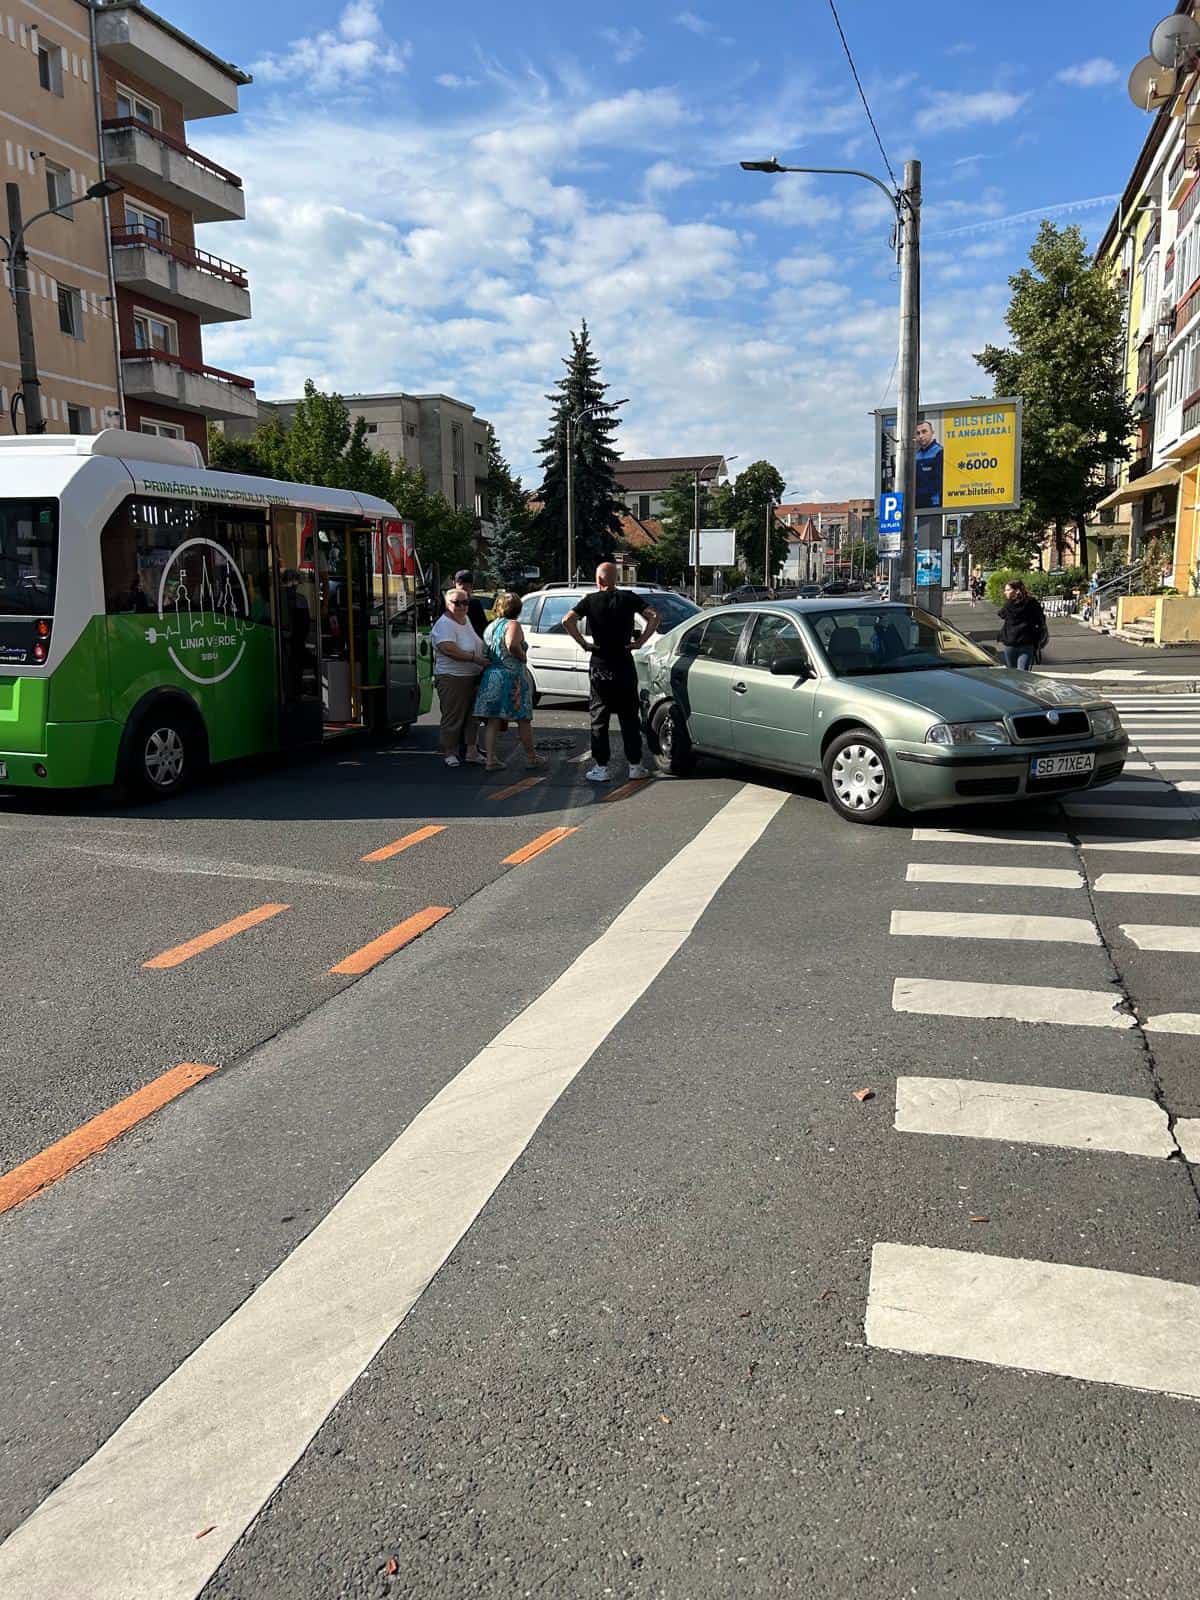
[{"x": 968, "y": 456}]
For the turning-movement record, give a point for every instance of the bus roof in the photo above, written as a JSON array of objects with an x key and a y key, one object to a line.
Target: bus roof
[{"x": 174, "y": 467}]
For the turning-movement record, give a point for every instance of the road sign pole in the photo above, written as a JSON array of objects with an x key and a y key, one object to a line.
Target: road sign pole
[{"x": 909, "y": 374}]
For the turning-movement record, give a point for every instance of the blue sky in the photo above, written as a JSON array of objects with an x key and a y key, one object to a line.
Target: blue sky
[{"x": 433, "y": 207}]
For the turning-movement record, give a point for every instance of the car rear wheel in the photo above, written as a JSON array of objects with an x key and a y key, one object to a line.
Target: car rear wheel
[
  {"x": 858, "y": 778},
  {"x": 670, "y": 734}
]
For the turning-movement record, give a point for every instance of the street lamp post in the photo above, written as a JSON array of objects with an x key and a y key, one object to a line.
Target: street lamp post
[
  {"x": 18, "y": 283},
  {"x": 571, "y": 421},
  {"x": 906, "y": 203},
  {"x": 716, "y": 462}
]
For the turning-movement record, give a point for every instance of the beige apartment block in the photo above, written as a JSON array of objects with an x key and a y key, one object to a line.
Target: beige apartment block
[{"x": 49, "y": 149}]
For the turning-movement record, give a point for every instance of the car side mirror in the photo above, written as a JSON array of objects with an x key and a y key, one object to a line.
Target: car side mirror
[{"x": 791, "y": 667}]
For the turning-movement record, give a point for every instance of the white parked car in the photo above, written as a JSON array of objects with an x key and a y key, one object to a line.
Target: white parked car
[{"x": 559, "y": 666}]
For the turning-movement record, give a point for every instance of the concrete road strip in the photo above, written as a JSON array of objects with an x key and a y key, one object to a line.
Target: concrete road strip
[
  {"x": 1185, "y": 1022},
  {"x": 40, "y": 1171},
  {"x": 1161, "y": 936},
  {"x": 398, "y": 846},
  {"x": 993, "y": 925},
  {"x": 1148, "y": 883},
  {"x": 953, "y": 836},
  {"x": 211, "y": 1444},
  {"x": 180, "y": 953},
  {"x": 1016, "y": 877},
  {"x": 370, "y": 955},
  {"x": 1073, "y": 1119},
  {"x": 1076, "y": 1322},
  {"x": 535, "y": 847},
  {"x": 1017, "y": 1002}
]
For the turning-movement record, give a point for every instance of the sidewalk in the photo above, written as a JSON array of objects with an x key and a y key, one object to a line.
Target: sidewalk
[{"x": 1077, "y": 651}]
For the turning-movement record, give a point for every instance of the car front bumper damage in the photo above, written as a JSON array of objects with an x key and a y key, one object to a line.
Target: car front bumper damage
[{"x": 927, "y": 779}]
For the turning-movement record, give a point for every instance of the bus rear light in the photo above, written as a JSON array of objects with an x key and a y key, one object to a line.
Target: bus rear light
[
  {"x": 43, "y": 628},
  {"x": 39, "y": 770},
  {"x": 39, "y": 652}
]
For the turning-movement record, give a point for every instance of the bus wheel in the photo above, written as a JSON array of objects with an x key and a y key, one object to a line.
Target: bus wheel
[{"x": 164, "y": 753}]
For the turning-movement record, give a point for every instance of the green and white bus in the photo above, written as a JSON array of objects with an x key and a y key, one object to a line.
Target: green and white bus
[{"x": 156, "y": 616}]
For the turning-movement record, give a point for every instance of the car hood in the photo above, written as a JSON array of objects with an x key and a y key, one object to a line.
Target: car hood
[{"x": 977, "y": 694}]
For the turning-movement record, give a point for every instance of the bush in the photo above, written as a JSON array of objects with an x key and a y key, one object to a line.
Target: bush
[{"x": 1038, "y": 583}]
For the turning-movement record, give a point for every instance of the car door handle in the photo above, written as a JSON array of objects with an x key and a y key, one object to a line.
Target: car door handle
[{"x": 739, "y": 688}]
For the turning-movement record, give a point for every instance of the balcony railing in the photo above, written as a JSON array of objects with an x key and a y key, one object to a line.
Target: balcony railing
[
  {"x": 139, "y": 353},
  {"x": 119, "y": 124},
  {"x": 1191, "y": 414},
  {"x": 188, "y": 254},
  {"x": 1187, "y": 307}
]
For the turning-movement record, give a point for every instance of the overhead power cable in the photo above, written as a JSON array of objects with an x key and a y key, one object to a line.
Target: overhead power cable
[{"x": 862, "y": 93}]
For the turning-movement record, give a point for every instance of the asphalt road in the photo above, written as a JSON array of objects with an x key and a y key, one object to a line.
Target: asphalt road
[{"x": 643, "y": 1366}]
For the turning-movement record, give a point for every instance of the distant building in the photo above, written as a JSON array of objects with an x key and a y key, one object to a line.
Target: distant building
[
  {"x": 643, "y": 484},
  {"x": 819, "y": 531}
]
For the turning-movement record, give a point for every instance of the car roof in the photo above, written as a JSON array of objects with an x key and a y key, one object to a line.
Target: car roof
[{"x": 807, "y": 607}]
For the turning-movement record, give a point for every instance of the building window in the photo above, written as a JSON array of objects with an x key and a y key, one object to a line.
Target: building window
[
  {"x": 79, "y": 419},
  {"x": 151, "y": 332},
  {"x": 371, "y": 427},
  {"x": 410, "y": 429},
  {"x": 643, "y": 507},
  {"x": 161, "y": 430},
  {"x": 58, "y": 188},
  {"x": 132, "y": 105},
  {"x": 70, "y": 311},
  {"x": 50, "y": 67},
  {"x": 478, "y": 448},
  {"x": 154, "y": 224}
]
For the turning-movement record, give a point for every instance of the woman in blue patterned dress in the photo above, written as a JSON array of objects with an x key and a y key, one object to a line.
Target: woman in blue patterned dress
[{"x": 506, "y": 690}]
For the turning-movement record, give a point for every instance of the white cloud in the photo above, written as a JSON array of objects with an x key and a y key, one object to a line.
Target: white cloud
[
  {"x": 962, "y": 49},
  {"x": 625, "y": 43},
  {"x": 664, "y": 176},
  {"x": 1094, "y": 74},
  {"x": 357, "y": 48},
  {"x": 693, "y": 23},
  {"x": 451, "y": 80},
  {"x": 949, "y": 109}
]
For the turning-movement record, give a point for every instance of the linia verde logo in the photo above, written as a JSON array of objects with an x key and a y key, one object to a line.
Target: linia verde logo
[{"x": 203, "y": 623}]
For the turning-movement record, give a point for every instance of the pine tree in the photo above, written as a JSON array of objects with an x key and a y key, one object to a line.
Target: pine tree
[
  {"x": 597, "y": 507},
  {"x": 510, "y": 548},
  {"x": 1066, "y": 361}
]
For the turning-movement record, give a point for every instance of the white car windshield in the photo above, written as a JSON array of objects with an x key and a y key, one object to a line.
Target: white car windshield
[{"x": 863, "y": 641}]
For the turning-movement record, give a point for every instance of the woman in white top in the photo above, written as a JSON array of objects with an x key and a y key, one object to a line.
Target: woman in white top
[{"x": 458, "y": 660}]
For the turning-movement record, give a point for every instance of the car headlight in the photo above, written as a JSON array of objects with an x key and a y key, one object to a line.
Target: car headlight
[
  {"x": 1106, "y": 723},
  {"x": 968, "y": 733}
]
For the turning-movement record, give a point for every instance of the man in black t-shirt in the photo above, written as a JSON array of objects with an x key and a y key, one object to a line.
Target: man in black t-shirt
[{"x": 611, "y": 672}]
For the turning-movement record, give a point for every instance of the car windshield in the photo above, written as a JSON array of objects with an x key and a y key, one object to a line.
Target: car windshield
[
  {"x": 864, "y": 641},
  {"x": 28, "y": 557},
  {"x": 672, "y": 609}
]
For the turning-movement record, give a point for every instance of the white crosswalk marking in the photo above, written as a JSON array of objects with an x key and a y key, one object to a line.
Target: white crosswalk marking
[
  {"x": 1001, "y": 836},
  {"x": 1017, "y": 877},
  {"x": 1076, "y": 1322},
  {"x": 1074, "y": 1119},
  {"x": 1161, "y": 847},
  {"x": 1016, "y": 1002},
  {"x": 1160, "y": 936},
  {"x": 1148, "y": 883},
  {"x": 1187, "y": 1022},
  {"x": 992, "y": 925}
]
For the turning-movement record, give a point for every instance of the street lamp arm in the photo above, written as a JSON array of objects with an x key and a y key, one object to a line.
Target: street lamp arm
[
  {"x": 895, "y": 197},
  {"x": 14, "y": 245}
]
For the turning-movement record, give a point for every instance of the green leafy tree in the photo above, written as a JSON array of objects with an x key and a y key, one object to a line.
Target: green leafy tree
[
  {"x": 1001, "y": 538},
  {"x": 597, "y": 506},
  {"x": 678, "y": 513},
  {"x": 744, "y": 506},
  {"x": 1067, "y": 362}
]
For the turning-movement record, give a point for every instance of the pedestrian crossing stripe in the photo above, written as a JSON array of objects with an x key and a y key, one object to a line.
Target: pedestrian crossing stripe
[
  {"x": 1023, "y": 1113},
  {"x": 1012, "y": 1002}
]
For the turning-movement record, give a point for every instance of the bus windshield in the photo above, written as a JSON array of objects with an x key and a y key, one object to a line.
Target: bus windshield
[{"x": 28, "y": 557}]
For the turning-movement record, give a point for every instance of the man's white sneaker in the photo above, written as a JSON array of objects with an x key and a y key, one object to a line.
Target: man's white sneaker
[
  {"x": 597, "y": 775},
  {"x": 474, "y": 759},
  {"x": 639, "y": 771},
  {"x": 453, "y": 761}
]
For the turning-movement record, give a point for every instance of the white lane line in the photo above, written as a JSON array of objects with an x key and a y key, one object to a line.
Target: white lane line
[
  {"x": 1157, "y": 847},
  {"x": 212, "y": 1443},
  {"x": 1148, "y": 883},
  {"x": 1073, "y": 1119},
  {"x": 1019, "y": 877},
  {"x": 1015, "y": 1002},
  {"x": 1015, "y": 836},
  {"x": 1076, "y": 1322},
  {"x": 1173, "y": 743},
  {"x": 1175, "y": 1022},
  {"x": 1162, "y": 764},
  {"x": 993, "y": 925},
  {"x": 1187, "y": 1136},
  {"x": 1161, "y": 936}
]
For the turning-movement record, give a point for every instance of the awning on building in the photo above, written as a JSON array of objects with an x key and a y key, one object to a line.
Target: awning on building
[{"x": 1160, "y": 478}]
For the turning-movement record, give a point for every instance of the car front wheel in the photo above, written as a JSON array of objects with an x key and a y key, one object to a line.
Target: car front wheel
[
  {"x": 671, "y": 736},
  {"x": 858, "y": 779}
]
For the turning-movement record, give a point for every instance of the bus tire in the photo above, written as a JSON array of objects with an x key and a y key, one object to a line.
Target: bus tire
[{"x": 165, "y": 749}]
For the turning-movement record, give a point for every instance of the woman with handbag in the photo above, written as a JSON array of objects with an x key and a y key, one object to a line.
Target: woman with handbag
[
  {"x": 1023, "y": 630},
  {"x": 506, "y": 688}
]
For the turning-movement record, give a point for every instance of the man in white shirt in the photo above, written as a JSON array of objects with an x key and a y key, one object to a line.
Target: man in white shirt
[{"x": 458, "y": 660}]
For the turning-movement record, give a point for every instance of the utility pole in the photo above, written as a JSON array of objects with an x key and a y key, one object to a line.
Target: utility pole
[
  {"x": 696, "y": 536},
  {"x": 570, "y": 500},
  {"x": 909, "y": 377},
  {"x": 767, "y": 546},
  {"x": 31, "y": 389}
]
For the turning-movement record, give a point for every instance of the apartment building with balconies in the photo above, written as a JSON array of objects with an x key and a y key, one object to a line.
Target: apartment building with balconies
[{"x": 121, "y": 292}]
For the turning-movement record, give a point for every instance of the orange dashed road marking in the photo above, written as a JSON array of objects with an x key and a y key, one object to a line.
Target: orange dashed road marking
[
  {"x": 388, "y": 943},
  {"x": 409, "y": 839},
  {"x": 40, "y": 1171},
  {"x": 517, "y": 788},
  {"x": 627, "y": 789},
  {"x": 536, "y": 846},
  {"x": 205, "y": 941}
]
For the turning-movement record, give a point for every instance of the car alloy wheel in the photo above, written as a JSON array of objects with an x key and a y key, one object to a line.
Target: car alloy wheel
[
  {"x": 163, "y": 758},
  {"x": 859, "y": 777}
]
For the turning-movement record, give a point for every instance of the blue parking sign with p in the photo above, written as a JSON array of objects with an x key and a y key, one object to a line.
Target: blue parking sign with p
[{"x": 891, "y": 512}]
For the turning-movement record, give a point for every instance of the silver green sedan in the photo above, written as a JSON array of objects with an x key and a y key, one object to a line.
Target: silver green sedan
[{"x": 887, "y": 705}]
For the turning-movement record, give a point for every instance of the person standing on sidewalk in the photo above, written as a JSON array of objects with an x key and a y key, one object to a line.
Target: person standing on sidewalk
[
  {"x": 1023, "y": 626},
  {"x": 611, "y": 673},
  {"x": 459, "y": 658}
]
